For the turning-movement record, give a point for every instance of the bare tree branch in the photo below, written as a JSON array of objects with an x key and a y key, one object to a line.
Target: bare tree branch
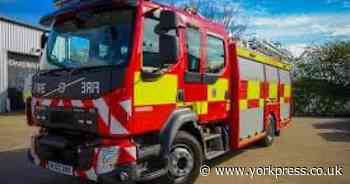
[{"x": 227, "y": 12}]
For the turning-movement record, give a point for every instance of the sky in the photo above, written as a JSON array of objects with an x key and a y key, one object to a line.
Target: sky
[{"x": 294, "y": 23}]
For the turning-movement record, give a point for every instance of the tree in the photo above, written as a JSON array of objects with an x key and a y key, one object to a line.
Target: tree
[
  {"x": 227, "y": 12},
  {"x": 322, "y": 80}
]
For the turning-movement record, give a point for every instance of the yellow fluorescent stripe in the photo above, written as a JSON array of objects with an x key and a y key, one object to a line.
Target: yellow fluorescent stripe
[
  {"x": 261, "y": 102},
  {"x": 196, "y": 108},
  {"x": 243, "y": 105},
  {"x": 216, "y": 92},
  {"x": 160, "y": 91},
  {"x": 204, "y": 108},
  {"x": 287, "y": 91},
  {"x": 253, "y": 90},
  {"x": 200, "y": 107},
  {"x": 261, "y": 58},
  {"x": 273, "y": 90}
]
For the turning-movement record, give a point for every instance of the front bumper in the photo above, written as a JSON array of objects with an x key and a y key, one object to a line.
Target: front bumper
[
  {"x": 123, "y": 174},
  {"x": 107, "y": 164}
]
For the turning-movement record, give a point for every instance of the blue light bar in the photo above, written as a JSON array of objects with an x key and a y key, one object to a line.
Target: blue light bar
[
  {"x": 62, "y": 3},
  {"x": 65, "y": 6},
  {"x": 65, "y": 3}
]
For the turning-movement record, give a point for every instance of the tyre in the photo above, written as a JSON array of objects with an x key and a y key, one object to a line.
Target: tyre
[
  {"x": 185, "y": 159},
  {"x": 269, "y": 138}
]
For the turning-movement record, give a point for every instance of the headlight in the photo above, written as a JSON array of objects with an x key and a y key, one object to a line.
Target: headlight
[{"x": 84, "y": 116}]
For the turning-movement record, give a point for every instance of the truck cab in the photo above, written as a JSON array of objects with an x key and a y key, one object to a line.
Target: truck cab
[{"x": 112, "y": 75}]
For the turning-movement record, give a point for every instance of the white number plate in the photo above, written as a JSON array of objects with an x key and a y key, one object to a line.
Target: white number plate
[{"x": 60, "y": 168}]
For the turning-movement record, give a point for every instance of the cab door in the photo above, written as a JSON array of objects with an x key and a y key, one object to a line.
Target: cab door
[
  {"x": 215, "y": 77},
  {"x": 195, "y": 95}
]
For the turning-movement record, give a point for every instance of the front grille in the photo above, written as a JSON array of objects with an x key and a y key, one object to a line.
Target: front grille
[
  {"x": 72, "y": 119},
  {"x": 62, "y": 116}
]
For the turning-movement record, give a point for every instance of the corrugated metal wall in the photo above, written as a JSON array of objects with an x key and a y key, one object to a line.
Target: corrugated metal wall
[{"x": 14, "y": 38}]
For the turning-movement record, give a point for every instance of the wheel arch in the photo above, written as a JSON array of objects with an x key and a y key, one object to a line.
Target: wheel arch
[{"x": 179, "y": 120}]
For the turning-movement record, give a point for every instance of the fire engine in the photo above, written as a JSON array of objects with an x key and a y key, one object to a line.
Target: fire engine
[{"x": 132, "y": 90}]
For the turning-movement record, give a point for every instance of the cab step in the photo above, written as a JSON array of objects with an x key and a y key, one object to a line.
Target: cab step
[
  {"x": 214, "y": 145},
  {"x": 209, "y": 137},
  {"x": 214, "y": 154}
]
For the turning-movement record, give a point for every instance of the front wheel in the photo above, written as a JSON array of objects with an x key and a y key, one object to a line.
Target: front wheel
[{"x": 185, "y": 159}]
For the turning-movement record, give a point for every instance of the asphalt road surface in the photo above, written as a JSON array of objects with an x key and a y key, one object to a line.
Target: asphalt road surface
[{"x": 309, "y": 142}]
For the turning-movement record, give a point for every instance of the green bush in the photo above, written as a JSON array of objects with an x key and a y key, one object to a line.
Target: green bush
[{"x": 322, "y": 80}]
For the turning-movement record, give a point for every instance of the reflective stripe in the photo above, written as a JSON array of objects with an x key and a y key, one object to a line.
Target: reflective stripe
[
  {"x": 217, "y": 91},
  {"x": 253, "y": 90},
  {"x": 132, "y": 151},
  {"x": 243, "y": 105},
  {"x": 60, "y": 103},
  {"x": 103, "y": 110},
  {"x": 273, "y": 90},
  {"x": 46, "y": 102},
  {"x": 91, "y": 174},
  {"x": 261, "y": 102},
  {"x": 287, "y": 90},
  {"x": 126, "y": 105},
  {"x": 116, "y": 127},
  {"x": 158, "y": 92},
  {"x": 243, "y": 52},
  {"x": 199, "y": 108},
  {"x": 204, "y": 107},
  {"x": 77, "y": 103}
]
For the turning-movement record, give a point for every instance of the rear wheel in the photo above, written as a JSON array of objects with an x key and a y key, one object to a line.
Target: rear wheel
[
  {"x": 269, "y": 138},
  {"x": 185, "y": 159}
]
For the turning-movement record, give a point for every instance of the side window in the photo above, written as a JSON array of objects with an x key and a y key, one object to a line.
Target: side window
[
  {"x": 103, "y": 50},
  {"x": 151, "y": 55},
  {"x": 194, "y": 49},
  {"x": 215, "y": 55}
]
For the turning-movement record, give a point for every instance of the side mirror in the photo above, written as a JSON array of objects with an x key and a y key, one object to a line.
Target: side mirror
[
  {"x": 168, "y": 48},
  {"x": 43, "y": 40},
  {"x": 168, "y": 20}
]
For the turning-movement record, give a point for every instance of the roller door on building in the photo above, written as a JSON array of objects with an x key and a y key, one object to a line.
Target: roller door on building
[{"x": 20, "y": 67}]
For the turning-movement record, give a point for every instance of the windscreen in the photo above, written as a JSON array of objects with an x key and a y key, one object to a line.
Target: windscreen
[{"x": 90, "y": 40}]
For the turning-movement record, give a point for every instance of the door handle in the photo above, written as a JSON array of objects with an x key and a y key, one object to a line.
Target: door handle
[{"x": 180, "y": 95}]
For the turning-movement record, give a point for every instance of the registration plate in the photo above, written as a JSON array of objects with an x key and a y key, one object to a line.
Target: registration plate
[{"x": 60, "y": 168}]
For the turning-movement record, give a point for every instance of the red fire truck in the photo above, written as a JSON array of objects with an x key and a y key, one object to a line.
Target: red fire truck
[{"x": 131, "y": 90}]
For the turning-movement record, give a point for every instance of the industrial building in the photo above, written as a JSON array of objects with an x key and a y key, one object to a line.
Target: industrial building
[{"x": 19, "y": 58}]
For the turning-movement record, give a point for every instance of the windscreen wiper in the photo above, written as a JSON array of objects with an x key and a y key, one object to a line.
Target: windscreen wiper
[
  {"x": 46, "y": 72},
  {"x": 89, "y": 68}
]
